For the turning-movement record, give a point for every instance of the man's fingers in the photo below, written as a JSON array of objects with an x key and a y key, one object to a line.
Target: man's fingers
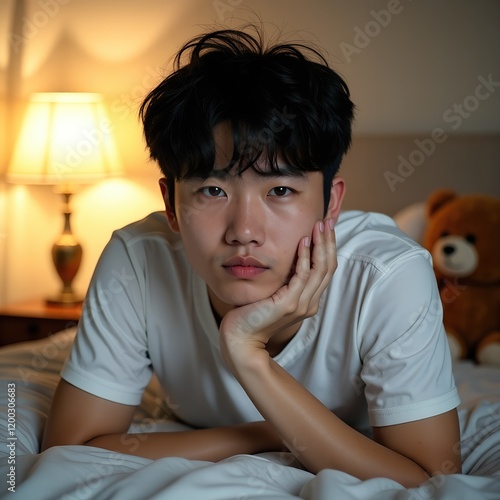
[
  {"x": 323, "y": 258},
  {"x": 323, "y": 263},
  {"x": 315, "y": 266},
  {"x": 330, "y": 248},
  {"x": 302, "y": 273}
]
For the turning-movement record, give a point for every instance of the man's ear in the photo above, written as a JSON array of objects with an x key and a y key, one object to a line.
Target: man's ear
[
  {"x": 169, "y": 206},
  {"x": 337, "y": 193}
]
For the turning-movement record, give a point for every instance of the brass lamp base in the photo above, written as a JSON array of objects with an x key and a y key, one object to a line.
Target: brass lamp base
[
  {"x": 64, "y": 299},
  {"x": 67, "y": 256}
]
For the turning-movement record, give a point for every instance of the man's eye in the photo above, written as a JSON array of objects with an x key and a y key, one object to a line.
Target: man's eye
[
  {"x": 280, "y": 191},
  {"x": 212, "y": 191}
]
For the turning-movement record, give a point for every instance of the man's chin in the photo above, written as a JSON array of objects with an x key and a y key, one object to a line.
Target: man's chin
[
  {"x": 240, "y": 298},
  {"x": 242, "y": 301}
]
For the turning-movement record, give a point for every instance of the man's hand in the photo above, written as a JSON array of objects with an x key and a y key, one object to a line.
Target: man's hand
[
  {"x": 313, "y": 433},
  {"x": 251, "y": 326}
]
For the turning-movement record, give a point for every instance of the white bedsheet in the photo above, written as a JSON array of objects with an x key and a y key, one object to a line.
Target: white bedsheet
[{"x": 81, "y": 472}]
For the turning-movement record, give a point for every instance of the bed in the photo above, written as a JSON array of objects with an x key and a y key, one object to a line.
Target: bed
[{"x": 29, "y": 373}]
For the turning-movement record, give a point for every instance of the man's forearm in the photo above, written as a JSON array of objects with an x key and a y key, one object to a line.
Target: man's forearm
[
  {"x": 203, "y": 444},
  {"x": 315, "y": 435}
]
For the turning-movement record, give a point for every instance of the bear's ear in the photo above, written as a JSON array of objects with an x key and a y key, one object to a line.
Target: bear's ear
[{"x": 439, "y": 198}]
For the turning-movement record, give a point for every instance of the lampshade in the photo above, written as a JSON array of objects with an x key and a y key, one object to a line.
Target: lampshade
[{"x": 65, "y": 138}]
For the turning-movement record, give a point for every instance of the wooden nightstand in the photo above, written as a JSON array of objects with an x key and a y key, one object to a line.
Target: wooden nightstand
[{"x": 34, "y": 320}]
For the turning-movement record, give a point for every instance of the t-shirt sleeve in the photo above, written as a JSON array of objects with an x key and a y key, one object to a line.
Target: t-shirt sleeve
[
  {"x": 110, "y": 355},
  {"x": 407, "y": 367}
]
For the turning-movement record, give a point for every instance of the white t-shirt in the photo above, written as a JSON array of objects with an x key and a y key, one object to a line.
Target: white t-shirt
[{"x": 375, "y": 353}]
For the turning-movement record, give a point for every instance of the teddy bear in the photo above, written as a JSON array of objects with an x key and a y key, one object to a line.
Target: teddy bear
[{"x": 462, "y": 234}]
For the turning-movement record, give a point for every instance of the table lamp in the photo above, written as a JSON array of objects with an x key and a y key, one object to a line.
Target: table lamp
[{"x": 65, "y": 140}]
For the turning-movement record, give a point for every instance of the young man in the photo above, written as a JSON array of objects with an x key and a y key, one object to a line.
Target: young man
[{"x": 271, "y": 319}]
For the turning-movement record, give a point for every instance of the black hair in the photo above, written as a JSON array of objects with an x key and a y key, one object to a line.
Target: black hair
[{"x": 277, "y": 101}]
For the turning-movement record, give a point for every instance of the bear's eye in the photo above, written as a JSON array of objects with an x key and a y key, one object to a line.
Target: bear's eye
[
  {"x": 444, "y": 234},
  {"x": 471, "y": 238}
]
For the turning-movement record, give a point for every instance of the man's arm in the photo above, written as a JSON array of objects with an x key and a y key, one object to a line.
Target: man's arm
[
  {"x": 433, "y": 443},
  {"x": 80, "y": 418},
  {"x": 408, "y": 453}
]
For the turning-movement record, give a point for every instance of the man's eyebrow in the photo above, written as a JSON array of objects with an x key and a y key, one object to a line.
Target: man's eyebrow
[
  {"x": 281, "y": 171},
  {"x": 213, "y": 174},
  {"x": 219, "y": 173}
]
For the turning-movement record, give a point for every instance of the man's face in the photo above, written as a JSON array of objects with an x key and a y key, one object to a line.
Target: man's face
[{"x": 241, "y": 233}]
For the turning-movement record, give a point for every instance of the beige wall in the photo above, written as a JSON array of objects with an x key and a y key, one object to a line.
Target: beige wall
[
  {"x": 413, "y": 68},
  {"x": 389, "y": 172}
]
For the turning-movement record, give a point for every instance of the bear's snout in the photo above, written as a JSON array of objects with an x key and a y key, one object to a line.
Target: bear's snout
[{"x": 454, "y": 256}]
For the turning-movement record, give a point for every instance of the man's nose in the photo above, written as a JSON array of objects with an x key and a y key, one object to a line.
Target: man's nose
[{"x": 246, "y": 221}]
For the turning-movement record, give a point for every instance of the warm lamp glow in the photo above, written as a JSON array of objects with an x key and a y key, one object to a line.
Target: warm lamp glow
[{"x": 65, "y": 140}]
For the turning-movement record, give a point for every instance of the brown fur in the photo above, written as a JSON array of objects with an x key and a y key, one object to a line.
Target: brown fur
[{"x": 471, "y": 304}]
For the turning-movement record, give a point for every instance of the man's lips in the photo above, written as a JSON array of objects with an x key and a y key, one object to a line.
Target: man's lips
[
  {"x": 243, "y": 261},
  {"x": 244, "y": 267}
]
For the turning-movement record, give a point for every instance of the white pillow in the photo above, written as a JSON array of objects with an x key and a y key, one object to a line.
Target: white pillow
[{"x": 412, "y": 220}]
